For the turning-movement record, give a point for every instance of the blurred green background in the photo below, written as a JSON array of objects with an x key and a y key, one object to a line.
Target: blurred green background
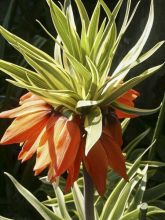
[{"x": 19, "y": 16}]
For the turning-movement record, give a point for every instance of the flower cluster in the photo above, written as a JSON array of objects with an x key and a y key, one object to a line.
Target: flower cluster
[{"x": 59, "y": 141}]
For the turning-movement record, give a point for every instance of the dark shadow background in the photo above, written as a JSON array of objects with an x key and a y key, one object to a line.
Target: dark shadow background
[{"x": 22, "y": 22}]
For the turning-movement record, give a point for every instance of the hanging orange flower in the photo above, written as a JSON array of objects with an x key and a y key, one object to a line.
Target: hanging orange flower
[{"x": 60, "y": 145}]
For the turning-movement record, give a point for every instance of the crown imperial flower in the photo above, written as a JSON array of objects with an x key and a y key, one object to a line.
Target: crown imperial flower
[{"x": 72, "y": 110}]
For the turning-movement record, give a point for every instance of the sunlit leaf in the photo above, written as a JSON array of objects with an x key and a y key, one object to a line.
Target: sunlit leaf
[
  {"x": 43, "y": 210},
  {"x": 93, "y": 127}
]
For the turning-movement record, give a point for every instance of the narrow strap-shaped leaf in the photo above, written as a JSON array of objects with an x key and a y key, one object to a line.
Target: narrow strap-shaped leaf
[
  {"x": 61, "y": 203},
  {"x": 32, "y": 50},
  {"x": 97, "y": 40},
  {"x": 122, "y": 200},
  {"x": 61, "y": 24},
  {"x": 82, "y": 74},
  {"x": 68, "y": 10},
  {"x": 79, "y": 201},
  {"x": 21, "y": 74},
  {"x": 85, "y": 104},
  {"x": 158, "y": 128},
  {"x": 3, "y": 218},
  {"x": 83, "y": 13},
  {"x": 142, "y": 58},
  {"x": 132, "y": 144},
  {"x": 42, "y": 210},
  {"x": 124, "y": 124},
  {"x": 111, "y": 201},
  {"x": 93, "y": 127},
  {"x": 135, "y": 111},
  {"x": 136, "y": 50},
  {"x": 75, "y": 40},
  {"x": 107, "y": 35},
  {"x": 84, "y": 40},
  {"x": 58, "y": 98},
  {"x": 95, "y": 80},
  {"x": 154, "y": 193},
  {"x": 135, "y": 214},
  {"x": 93, "y": 25},
  {"x": 112, "y": 94},
  {"x": 57, "y": 79},
  {"x": 138, "y": 197},
  {"x": 124, "y": 24}
]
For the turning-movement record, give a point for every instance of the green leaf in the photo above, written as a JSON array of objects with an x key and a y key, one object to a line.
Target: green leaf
[
  {"x": 61, "y": 25},
  {"x": 153, "y": 164},
  {"x": 84, "y": 40},
  {"x": 54, "y": 98},
  {"x": 121, "y": 202},
  {"x": 21, "y": 45},
  {"x": 152, "y": 210},
  {"x": 158, "y": 128},
  {"x": 93, "y": 127},
  {"x": 142, "y": 58},
  {"x": 134, "y": 111},
  {"x": 136, "y": 50},
  {"x": 154, "y": 193},
  {"x": 138, "y": 197},
  {"x": 132, "y": 144},
  {"x": 51, "y": 202},
  {"x": 3, "y": 218},
  {"x": 95, "y": 80},
  {"x": 110, "y": 93},
  {"x": 68, "y": 10},
  {"x": 124, "y": 124},
  {"x": 83, "y": 13},
  {"x": 97, "y": 40},
  {"x": 53, "y": 74},
  {"x": 111, "y": 201},
  {"x": 78, "y": 201},
  {"x": 93, "y": 25},
  {"x": 125, "y": 25},
  {"x": 135, "y": 214},
  {"x": 61, "y": 203},
  {"x": 103, "y": 54},
  {"x": 81, "y": 73},
  {"x": 85, "y": 104},
  {"x": 42, "y": 210}
]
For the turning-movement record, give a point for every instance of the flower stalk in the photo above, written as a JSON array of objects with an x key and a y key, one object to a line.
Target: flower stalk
[{"x": 88, "y": 196}]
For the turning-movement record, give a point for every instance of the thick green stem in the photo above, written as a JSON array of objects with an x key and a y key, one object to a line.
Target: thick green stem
[{"x": 88, "y": 196}]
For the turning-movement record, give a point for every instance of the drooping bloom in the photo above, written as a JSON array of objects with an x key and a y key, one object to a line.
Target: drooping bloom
[
  {"x": 44, "y": 132},
  {"x": 59, "y": 143}
]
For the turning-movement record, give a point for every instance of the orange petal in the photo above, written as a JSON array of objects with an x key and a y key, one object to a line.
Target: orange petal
[
  {"x": 42, "y": 159},
  {"x": 34, "y": 141},
  {"x": 127, "y": 99},
  {"x": 22, "y": 128},
  {"x": 29, "y": 97},
  {"x": 113, "y": 129},
  {"x": 74, "y": 170},
  {"x": 52, "y": 174},
  {"x": 64, "y": 140},
  {"x": 114, "y": 154},
  {"x": 96, "y": 163},
  {"x": 25, "y": 109}
]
